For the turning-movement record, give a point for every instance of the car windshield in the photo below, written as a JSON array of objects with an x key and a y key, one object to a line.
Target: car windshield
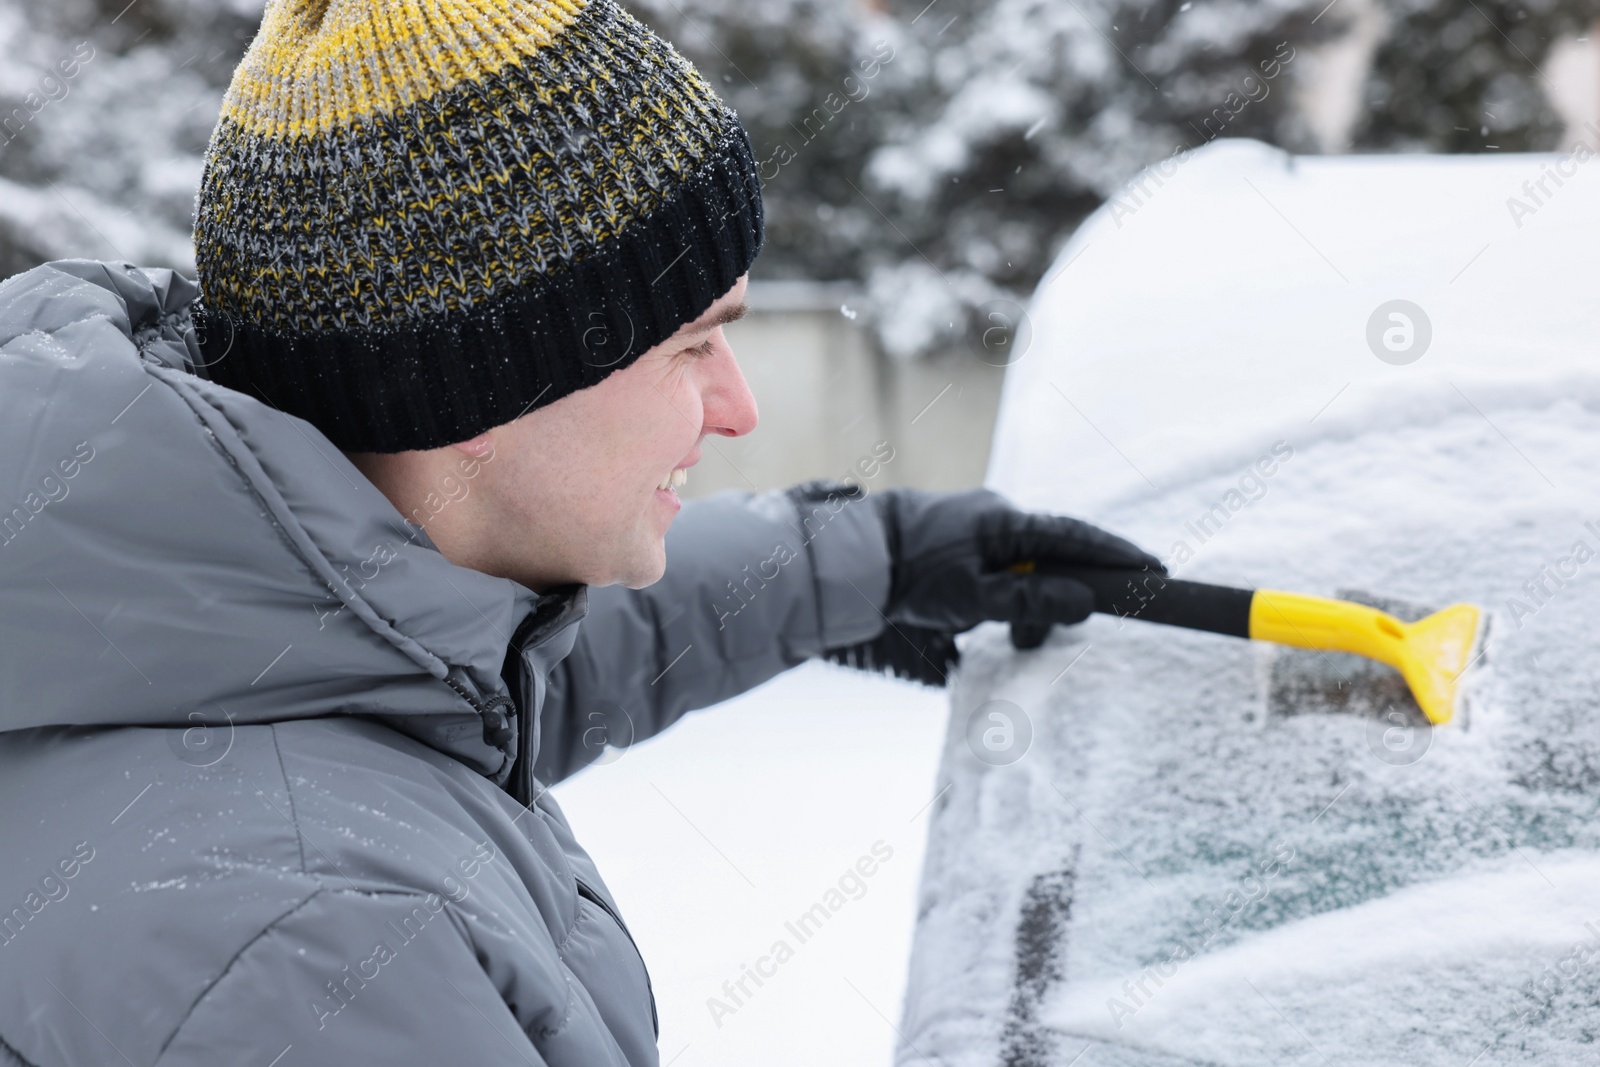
[{"x": 1160, "y": 846}]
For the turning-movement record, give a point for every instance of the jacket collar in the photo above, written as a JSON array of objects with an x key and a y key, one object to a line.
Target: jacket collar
[{"x": 189, "y": 556}]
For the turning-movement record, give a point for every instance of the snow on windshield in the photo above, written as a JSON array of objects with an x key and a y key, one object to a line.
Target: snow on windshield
[{"x": 1164, "y": 847}]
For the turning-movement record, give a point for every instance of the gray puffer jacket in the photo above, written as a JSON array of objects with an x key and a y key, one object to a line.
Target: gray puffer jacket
[{"x": 262, "y": 746}]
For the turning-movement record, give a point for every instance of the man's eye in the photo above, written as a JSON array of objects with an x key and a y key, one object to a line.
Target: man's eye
[{"x": 704, "y": 348}]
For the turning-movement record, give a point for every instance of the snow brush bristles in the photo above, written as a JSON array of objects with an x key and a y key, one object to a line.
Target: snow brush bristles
[{"x": 1432, "y": 654}]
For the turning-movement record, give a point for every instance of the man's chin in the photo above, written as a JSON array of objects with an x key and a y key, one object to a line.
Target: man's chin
[{"x": 645, "y": 571}]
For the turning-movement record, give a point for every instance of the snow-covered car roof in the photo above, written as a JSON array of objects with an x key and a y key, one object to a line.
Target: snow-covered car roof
[{"x": 1163, "y": 847}]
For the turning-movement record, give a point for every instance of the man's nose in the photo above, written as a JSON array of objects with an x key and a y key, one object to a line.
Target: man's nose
[{"x": 729, "y": 406}]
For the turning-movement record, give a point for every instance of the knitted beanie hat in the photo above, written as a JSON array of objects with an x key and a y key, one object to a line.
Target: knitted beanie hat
[{"x": 423, "y": 218}]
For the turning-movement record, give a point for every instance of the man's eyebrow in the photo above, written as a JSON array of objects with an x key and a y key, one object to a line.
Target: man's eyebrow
[{"x": 721, "y": 318}]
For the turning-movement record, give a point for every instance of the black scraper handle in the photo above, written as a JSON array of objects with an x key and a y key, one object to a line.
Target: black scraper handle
[{"x": 1153, "y": 597}]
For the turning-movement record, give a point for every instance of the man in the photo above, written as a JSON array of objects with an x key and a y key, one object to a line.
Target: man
[{"x": 276, "y": 725}]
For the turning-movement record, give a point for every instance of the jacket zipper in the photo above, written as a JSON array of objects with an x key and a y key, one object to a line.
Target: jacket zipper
[
  {"x": 522, "y": 790},
  {"x": 523, "y": 771},
  {"x": 521, "y": 783},
  {"x": 590, "y": 895}
]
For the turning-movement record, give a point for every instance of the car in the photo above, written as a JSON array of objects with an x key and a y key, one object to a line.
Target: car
[{"x": 1376, "y": 378}]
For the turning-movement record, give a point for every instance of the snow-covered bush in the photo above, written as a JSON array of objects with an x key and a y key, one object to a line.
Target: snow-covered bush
[
  {"x": 1450, "y": 77},
  {"x": 935, "y": 152},
  {"x": 105, "y": 110},
  {"x": 992, "y": 128},
  {"x": 1000, "y": 124}
]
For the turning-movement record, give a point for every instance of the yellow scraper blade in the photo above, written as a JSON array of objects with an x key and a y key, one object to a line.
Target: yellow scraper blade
[{"x": 1432, "y": 653}]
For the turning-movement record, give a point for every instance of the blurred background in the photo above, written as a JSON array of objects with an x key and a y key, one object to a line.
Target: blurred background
[{"x": 922, "y": 161}]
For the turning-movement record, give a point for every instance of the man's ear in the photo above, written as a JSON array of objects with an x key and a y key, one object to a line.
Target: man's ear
[{"x": 479, "y": 447}]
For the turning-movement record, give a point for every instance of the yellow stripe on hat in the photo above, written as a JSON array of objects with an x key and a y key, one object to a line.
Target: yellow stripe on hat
[{"x": 317, "y": 65}]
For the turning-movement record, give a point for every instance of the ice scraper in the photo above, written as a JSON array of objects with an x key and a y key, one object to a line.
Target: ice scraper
[{"x": 1431, "y": 654}]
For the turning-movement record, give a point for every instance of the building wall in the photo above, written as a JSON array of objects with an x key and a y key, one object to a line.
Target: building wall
[{"x": 827, "y": 396}]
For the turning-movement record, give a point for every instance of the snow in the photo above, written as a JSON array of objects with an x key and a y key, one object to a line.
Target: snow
[
  {"x": 739, "y": 819},
  {"x": 1188, "y": 321},
  {"x": 1276, "y": 837},
  {"x": 75, "y": 221},
  {"x": 915, "y": 303},
  {"x": 108, "y": 124},
  {"x": 1318, "y": 970}
]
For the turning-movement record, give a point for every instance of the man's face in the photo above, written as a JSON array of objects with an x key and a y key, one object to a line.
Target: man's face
[{"x": 572, "y": 493}]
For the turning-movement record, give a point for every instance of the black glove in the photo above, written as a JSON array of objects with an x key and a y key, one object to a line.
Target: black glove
[{"x": 950, "y": 555}]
